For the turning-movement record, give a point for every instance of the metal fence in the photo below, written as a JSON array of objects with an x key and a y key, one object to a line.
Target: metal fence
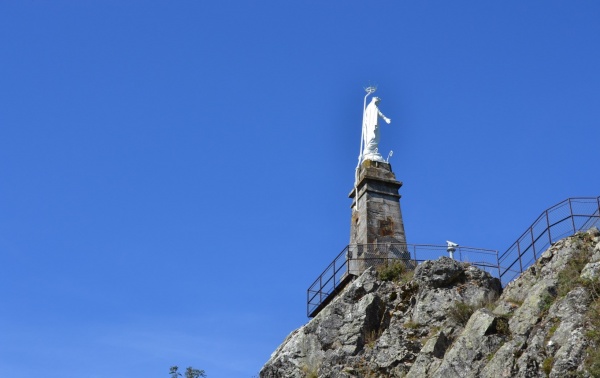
[
  {"x": 559, "y": 221},
  {"x": 329, "y": 283},
  {"x": 356, "y": 258}
]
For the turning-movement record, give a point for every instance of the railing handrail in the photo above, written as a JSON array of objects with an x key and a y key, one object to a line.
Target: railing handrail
[
  {"x": 545, "y": 213},
  {"x": 530, "y": 246},
  {"x": 329, "y": 266},
  {"x": 425, "y": 245}
]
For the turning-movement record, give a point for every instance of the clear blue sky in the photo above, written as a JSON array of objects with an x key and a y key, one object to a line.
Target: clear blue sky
[{"x": 174, "y": 174}]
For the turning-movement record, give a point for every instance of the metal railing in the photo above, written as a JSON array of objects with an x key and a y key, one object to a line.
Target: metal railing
[
  {"x": 557, "y": 222},
  {"x": 356, "y": 258},
  {"x": 329, "y": 283}
]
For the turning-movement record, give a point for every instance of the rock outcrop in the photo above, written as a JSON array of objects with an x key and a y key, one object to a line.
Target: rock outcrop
[{"x": 453, "y": 320}]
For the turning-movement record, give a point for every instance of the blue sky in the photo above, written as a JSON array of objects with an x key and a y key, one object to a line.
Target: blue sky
[{"x": 174, "y": 174}]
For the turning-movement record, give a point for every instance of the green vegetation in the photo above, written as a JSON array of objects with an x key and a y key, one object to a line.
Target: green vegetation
[
  {"x": 407, "y": 276},
  {"x": 568, "y": 278},
  {"x": 395, "y": 271},
  {"x": 461, "y": 312},
  {"x": 553, "y": 328},
  {"x": 546, "y": 302},
  {"x": 363, "y": 369},
  {"x": 310, "y": 372},
  {"x": 502, "y": 326},
  {"x": 592, "y": 362},
  {"x": 411, "y": 325},
  {"x": 392, "y": 271},
  {"x": 371, "y": 338},
  {"x": 547, "y": 365},
  {"x": 514, "y": 301},
  {"x": 190, "y": 372}
]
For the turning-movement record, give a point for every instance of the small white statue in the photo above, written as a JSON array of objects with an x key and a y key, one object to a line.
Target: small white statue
[{"x": 370, "y": 132}]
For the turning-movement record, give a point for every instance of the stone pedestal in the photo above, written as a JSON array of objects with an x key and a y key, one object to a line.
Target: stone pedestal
[{"x": 376, "y": 216}]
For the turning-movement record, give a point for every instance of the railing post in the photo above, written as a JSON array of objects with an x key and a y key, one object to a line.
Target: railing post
[
  {"x": 348, "y": 259},
  {"x": 532, "y": 242},
  {"x": 498, "y": 266},
  {"x": 334, "y": 270},
  {"x": 321, "y": 289},
  {"x": 548, "y": 225},
  {"x": 520, "y": 261},
  {"x": 572, "y": 217}
]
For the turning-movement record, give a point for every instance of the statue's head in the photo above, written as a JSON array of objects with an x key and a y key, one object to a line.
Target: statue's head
[{"x": 375, "y": 99}]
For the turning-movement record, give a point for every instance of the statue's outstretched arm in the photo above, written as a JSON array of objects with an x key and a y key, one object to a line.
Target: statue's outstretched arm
[{"x": 386, "y": 119}]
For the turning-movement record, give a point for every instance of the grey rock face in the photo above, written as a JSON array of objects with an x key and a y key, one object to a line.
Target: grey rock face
[
  {"x": 480, "y": 338},
  {"x": 453, "y": 320},
  {"x": 439, "y": 273}
]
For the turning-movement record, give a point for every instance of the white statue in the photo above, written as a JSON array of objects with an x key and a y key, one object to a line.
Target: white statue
[{"x": 370, "y": 132}]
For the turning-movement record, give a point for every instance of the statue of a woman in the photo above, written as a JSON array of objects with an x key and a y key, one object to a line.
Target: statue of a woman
[{"x": 370, "y": 132}]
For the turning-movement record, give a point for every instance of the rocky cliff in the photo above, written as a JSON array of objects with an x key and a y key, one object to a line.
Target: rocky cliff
[{"x": 450, "y": 319}]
